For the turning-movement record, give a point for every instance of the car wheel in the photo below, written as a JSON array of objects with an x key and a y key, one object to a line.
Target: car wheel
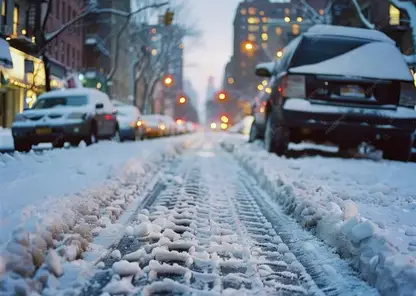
[
  {"x": 276, "y": 138},
  {"x": 58, "y": 143},
  {"x": 74, "y": 143},
  {"x": 22, "y": 146},
  {"x": 253, "y": 133},
  {"x": 92, "y": 136},
  {"x": 116, "y": 137},
  {"x": 398, "y": 148}
]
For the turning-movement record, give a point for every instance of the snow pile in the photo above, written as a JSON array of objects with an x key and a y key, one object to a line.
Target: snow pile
[
  {"x": 6, "y": 139},
  {"x": 364, "y": 209},
  {"x": 62, "y": 229}
]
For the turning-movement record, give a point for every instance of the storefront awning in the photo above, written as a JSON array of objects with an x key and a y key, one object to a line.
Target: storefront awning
[{"x": 5, "y": 57}]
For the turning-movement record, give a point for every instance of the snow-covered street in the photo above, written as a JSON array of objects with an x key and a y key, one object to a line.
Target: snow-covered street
[{"x": 204, "y": 214}]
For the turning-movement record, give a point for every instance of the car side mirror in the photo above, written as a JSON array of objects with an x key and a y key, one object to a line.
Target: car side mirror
[
  {"x": 262, "y": 72},
  {"x": 99, "y": 106}
]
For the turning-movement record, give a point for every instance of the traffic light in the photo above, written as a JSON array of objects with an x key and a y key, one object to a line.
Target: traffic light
[
  {"x": 222, "y": 96},
  {"x": 224, "y": 119},
  {"x": 168, "y": 18}
]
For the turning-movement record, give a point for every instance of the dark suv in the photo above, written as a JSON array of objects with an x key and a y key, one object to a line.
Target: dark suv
[{"x": 340, "y": 85}]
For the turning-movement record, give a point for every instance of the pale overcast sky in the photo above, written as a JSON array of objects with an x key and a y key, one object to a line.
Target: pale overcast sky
[{"x": 215, "y": 19}]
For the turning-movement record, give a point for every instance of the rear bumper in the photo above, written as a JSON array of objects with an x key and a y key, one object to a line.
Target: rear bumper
[
  {"x": 65, "y": 132},
  {"x": 130, "y": 133},
  {"x": 343, "y": 119}
]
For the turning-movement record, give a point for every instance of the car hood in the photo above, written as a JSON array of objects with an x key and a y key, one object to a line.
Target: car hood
[{"x": 376, "y": 60}]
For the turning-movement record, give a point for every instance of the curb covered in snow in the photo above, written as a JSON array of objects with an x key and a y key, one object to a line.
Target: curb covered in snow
[
  {"x": 338, "y": 225},
  {"x": 32, "y": 261}
]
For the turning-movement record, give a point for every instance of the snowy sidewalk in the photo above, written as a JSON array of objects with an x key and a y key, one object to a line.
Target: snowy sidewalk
[
  {"x": 365, "y": 209},
  {"x": 6, "y": 140}
]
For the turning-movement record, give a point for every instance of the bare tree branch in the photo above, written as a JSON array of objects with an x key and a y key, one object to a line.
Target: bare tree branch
[{"x": 362, "y": 17}]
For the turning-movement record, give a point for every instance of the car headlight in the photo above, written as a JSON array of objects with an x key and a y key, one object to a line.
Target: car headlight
[
  {"x": 140, "y": 123},
  {"x": 77, "y": 116},
  {"x": 19, "y": 117}
]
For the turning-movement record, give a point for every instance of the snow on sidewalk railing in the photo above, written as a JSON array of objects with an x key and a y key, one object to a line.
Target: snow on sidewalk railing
[
  {"x": 67, "y": 227},
  {"x": 379, "y": 262}
]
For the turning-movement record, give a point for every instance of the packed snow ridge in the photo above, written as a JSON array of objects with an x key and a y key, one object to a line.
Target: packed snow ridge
[
  {"x": 364, "y": 209},
  {"x": 34, "y": 260}
]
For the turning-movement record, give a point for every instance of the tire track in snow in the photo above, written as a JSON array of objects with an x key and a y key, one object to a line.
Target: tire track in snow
[{"x": 208, "y": 235}]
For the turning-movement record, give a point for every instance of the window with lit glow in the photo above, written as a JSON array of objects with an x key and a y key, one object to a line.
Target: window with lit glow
[
  {"x": 295, "y": 29},
  {"x": 251, "y": 37},
  {"x": 287, "y": 11},
  {"x": 243, "y": 11},
  {"x": 264, "y": 36},
  {"x": 262, "y": 12},
  {"x": 16, "y": 12},
  {"x": 253, "y": 20},
  {"x": 253, "y": 28},
  {"x": 264, "y": 45},
  {"x": 264, "y": 28},
  {"x": 394, "y": 14},
  {"x": 251, "y": 11},
  {"x": 265, "y": 19},
  {"x": 279, "y": 31}
]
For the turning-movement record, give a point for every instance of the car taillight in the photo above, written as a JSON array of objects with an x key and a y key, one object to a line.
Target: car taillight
[
  {"x": 293, "y": 86},
  {"x": 109, "y": 117}
]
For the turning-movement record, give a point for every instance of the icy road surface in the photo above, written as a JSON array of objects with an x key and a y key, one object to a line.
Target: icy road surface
[{"x": 208, "y": 229}]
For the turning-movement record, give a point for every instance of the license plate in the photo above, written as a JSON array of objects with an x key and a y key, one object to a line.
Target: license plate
[
  {"x": 352, "y": 91},
  {"x": 43, "y": 131}
]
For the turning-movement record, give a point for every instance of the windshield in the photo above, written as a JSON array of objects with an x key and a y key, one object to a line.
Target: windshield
[
  {"x": 313, "y": 50},
  {"x": 70, "y": 101}
]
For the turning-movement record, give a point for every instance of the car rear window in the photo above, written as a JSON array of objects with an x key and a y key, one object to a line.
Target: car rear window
[
  {"x": 313, "y": 50},
  {"x": 70, "y": 101}
]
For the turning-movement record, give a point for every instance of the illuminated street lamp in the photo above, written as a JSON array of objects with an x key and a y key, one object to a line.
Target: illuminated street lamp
[
  {"x": 168, "y": 81},
  {"x": 279, "y": 53},
  {"x": 182, "y": 100},
  {"x": 224, "y": 126}
]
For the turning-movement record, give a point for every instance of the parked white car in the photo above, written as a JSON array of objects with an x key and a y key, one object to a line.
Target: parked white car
[{"x": 61, "y": 116}]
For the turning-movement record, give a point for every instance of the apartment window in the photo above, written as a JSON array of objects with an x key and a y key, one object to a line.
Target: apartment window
[
  {"x": 264, "y": 45},
  {"x": 287, "y": 11},
  {"x": 57, "y": 8},
  {"x": 16, "y": 12},
  {"x": 394, "y": 14},
  {"x": 265, "y": 19},
  {"x": 68, "y": 54},
  {"x": 63, "y": 12},
  {"x": 253, "y": 20},
  {"x": 62, "y": 52},
  {"x": 253, "y": 28},
  {"x": 69, "y": 13},
  {"x": 243, "y": 11},
  {"x": 262, "y": 13},
  {"x": 279, "y": 31},
  {"x": 251, "y": 11},
  {"x": 251, "y": 37},
  {"x": 3, "y": 12},
  {"x": 295, "y": 29},
  {"x": 264, "y": 27}
]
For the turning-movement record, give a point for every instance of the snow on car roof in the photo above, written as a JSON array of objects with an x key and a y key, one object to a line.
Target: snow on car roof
[
  {"x": 71, "y": 92},
  {"x": 368, "y": 61},
  {"x": 341, "y": 31}
]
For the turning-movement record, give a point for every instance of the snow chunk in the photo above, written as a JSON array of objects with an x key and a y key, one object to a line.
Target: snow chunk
[
  {"x": 411, "y": 232},
  {"x": 125, "y": 268},
  {"x": 143, "y": 229},
  {"x": 53, "y": 262},
  {"x": 362, "y": 231},
  {"x": 129, "y": 230},
  {"x": 135, "y": 256},
  {"x": 350, "y": 209},
  {"x": 124, "y": 286},
  {"x": 116, "y": 254}
]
